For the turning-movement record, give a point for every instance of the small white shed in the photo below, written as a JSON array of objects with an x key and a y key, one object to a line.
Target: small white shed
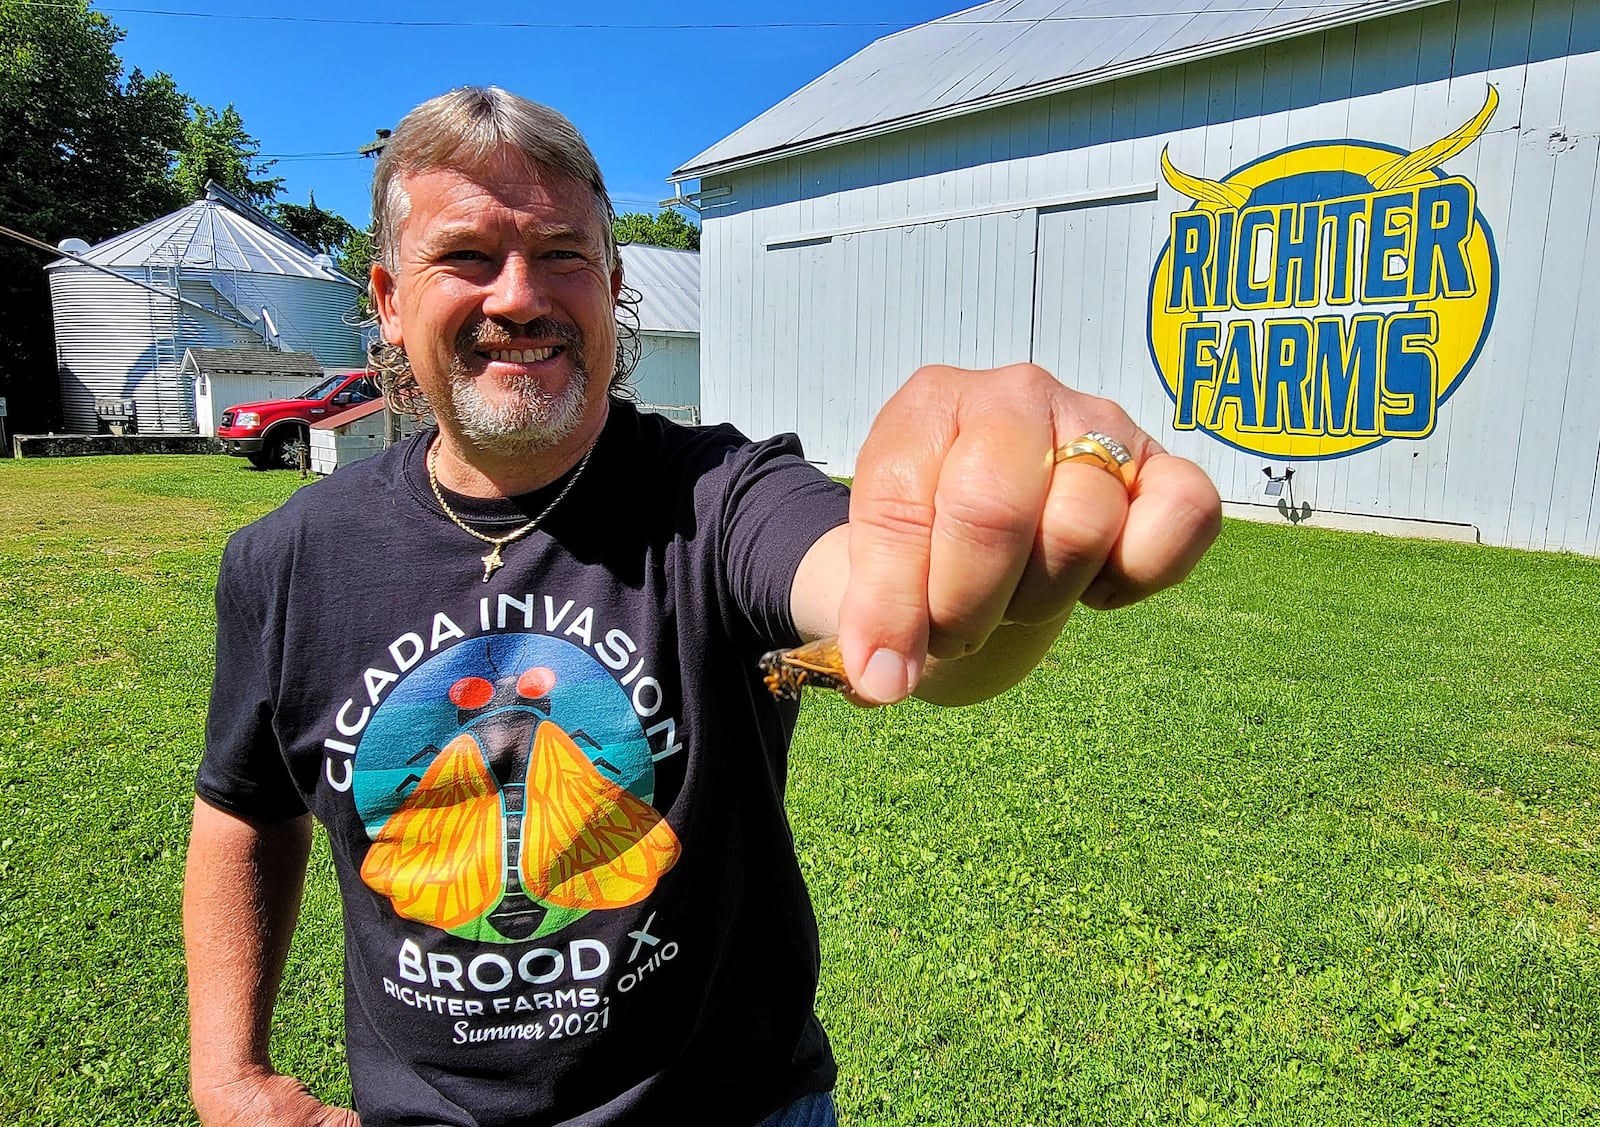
[{"x": 222, "y": 377}]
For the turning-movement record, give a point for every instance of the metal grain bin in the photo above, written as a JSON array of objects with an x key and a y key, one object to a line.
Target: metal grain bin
[{"x": 215, "y": 274}]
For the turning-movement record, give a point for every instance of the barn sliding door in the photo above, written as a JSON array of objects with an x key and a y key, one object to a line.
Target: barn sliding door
[
  {"x": 874, "y": 305},
  {"x": 1089, "y": 304}
]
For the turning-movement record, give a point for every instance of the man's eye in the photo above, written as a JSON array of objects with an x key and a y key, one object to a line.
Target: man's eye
[{"x": 466, "y": 256}]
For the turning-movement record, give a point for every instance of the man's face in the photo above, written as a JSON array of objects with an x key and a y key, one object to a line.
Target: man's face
[{"x": 504, "y": 304}]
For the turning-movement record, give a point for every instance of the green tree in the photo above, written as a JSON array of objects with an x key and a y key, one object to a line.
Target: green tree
[
  {"x": 325, "y": 230},
  {"x": 354, "y": 256},
  {"x": 356, "y": 253},
  {"x": 665, "y": 229},
  {"x": 84, "y": 152},
  {"x": 216, "y": 147}
]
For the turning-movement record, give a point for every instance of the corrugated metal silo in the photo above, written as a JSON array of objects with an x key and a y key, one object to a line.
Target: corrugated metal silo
[{"x": 216, "y": 274}]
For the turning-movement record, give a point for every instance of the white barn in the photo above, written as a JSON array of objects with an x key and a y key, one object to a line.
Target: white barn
[
  {"x": 1357, "y": 240},
  {"x": 667, "y": 378}
]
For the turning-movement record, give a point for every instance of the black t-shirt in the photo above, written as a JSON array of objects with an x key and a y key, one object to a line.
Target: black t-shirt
[{"x": 555, "y": 798}]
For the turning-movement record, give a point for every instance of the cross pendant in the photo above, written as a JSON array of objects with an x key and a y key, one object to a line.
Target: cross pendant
[{"x": 492, "y": 563}]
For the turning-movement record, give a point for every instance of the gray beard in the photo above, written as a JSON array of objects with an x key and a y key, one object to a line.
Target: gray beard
[{"x": 532, "y": 422}]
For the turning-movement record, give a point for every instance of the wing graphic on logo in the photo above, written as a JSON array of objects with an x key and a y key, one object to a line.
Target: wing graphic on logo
[
  {"x": 439, "y": 858},
  {"x": 587, "y": 842}
]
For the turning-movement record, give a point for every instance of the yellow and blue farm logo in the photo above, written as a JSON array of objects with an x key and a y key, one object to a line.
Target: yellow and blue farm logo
[{"x": 1325, "y": 298}]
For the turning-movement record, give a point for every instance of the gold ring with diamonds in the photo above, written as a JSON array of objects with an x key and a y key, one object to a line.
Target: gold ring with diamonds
[{"x": 1102, "y": 450}]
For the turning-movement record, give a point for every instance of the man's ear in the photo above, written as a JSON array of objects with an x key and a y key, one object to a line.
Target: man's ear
[
  {"x": 616, "y": 279},
  {"x": 382, "y": 284}
]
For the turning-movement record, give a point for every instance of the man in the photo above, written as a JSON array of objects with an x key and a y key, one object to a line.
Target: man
[{"x": 550, "y": 773}]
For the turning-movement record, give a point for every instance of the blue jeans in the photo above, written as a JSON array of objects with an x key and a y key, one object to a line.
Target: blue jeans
[{"x": 815, "y": 1110}]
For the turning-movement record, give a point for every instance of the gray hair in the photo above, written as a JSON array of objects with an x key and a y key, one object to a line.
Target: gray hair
[{"x": 469, "y": 130}]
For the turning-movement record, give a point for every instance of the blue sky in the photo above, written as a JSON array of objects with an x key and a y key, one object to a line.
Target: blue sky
[{"x": 648, "y": 99}]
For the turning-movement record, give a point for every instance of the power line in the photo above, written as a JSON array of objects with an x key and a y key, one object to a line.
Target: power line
[
  {"x": 785, "y": 25},
  {"x": 468, "y": 24},
  {"x": 309, "y": 160},
  {"x": 307, "y": 156}
]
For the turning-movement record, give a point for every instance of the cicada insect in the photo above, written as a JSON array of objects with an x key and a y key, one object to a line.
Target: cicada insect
[{"x": 816, "y": 663}]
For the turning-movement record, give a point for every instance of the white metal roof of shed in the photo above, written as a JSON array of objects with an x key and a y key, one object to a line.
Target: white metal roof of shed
[
  {"x": 206, "y": 235},
  {"x": 253, "y": 360},
  {"x": 668, "y": 282},
  {"x": 1009, "y": 51}
]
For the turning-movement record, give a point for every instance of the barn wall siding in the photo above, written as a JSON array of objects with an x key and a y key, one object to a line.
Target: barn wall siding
[
  {"x": 668, "y": 374},
  {"x": 1031, "y": 232}
]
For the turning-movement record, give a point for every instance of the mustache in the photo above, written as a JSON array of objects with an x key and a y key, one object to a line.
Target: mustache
[{"x": 489, "y": 334}]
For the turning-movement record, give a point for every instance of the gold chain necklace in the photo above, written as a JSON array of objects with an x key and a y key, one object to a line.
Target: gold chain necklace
[{"x": 492, "y": 561}]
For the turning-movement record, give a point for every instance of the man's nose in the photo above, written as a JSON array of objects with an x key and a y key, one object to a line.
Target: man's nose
[{"x": 517, "y": 293}]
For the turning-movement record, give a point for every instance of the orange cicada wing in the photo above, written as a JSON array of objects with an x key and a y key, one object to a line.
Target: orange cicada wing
[
  {"x": 440, "y": 858},
  {"x": 819, "y": 663},
  {"x": 587, "y": 842}
]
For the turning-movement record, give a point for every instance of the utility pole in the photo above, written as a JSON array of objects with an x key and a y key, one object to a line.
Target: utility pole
[{"x": 391, "y": 421}]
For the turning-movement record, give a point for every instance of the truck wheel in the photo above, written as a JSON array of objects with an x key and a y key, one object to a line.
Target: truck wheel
[{"x": 281, "y": 451}]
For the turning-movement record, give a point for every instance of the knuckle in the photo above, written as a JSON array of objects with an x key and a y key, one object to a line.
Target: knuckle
[
  {"x": 929, "y": 379},
  {"x": 1109, "y": 597},
  {"x": 1027, "y": 383},
  {"x": 1033, "y": 376},
  {"x": 1201, "y": 522},
  {"x": 894, "y": 609},
  {"x": 1094, "y": 412},
  {"x": 1035, "y": 607},
  {"x": 985, "y": 520},
  {"x": 1191, "y": 529},
  {"x": 894, "y": 518},
  {"x": 952, "y": 640},
  {"x": 1075, "y": 533}
]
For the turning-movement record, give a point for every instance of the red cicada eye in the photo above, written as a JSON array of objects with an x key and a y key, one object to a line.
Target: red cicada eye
[
  {"x": 471, "y": 692},
  {"x": 536, "y": 682}
]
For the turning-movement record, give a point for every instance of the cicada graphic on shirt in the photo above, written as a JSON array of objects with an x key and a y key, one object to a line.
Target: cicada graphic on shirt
[{"x": 510, "y": 816}]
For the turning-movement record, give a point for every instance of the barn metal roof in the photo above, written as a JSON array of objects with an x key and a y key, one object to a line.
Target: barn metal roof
[
  {"x": 1009, "y": 51},
  {"x": 206, "y": 235},
  {"x": 668, "y": 282}
]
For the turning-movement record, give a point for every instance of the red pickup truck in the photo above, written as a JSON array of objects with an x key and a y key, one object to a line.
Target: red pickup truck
[{"x": 271, "y": 433}]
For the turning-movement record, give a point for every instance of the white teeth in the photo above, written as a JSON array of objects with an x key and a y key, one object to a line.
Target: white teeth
[{"x": 521, "y": 355}]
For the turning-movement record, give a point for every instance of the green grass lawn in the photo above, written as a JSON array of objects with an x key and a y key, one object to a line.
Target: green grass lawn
[{"x": 1312, "y": 840}]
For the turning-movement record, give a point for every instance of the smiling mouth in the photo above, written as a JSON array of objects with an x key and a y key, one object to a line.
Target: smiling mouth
[{"x": 521, "y": 355}]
